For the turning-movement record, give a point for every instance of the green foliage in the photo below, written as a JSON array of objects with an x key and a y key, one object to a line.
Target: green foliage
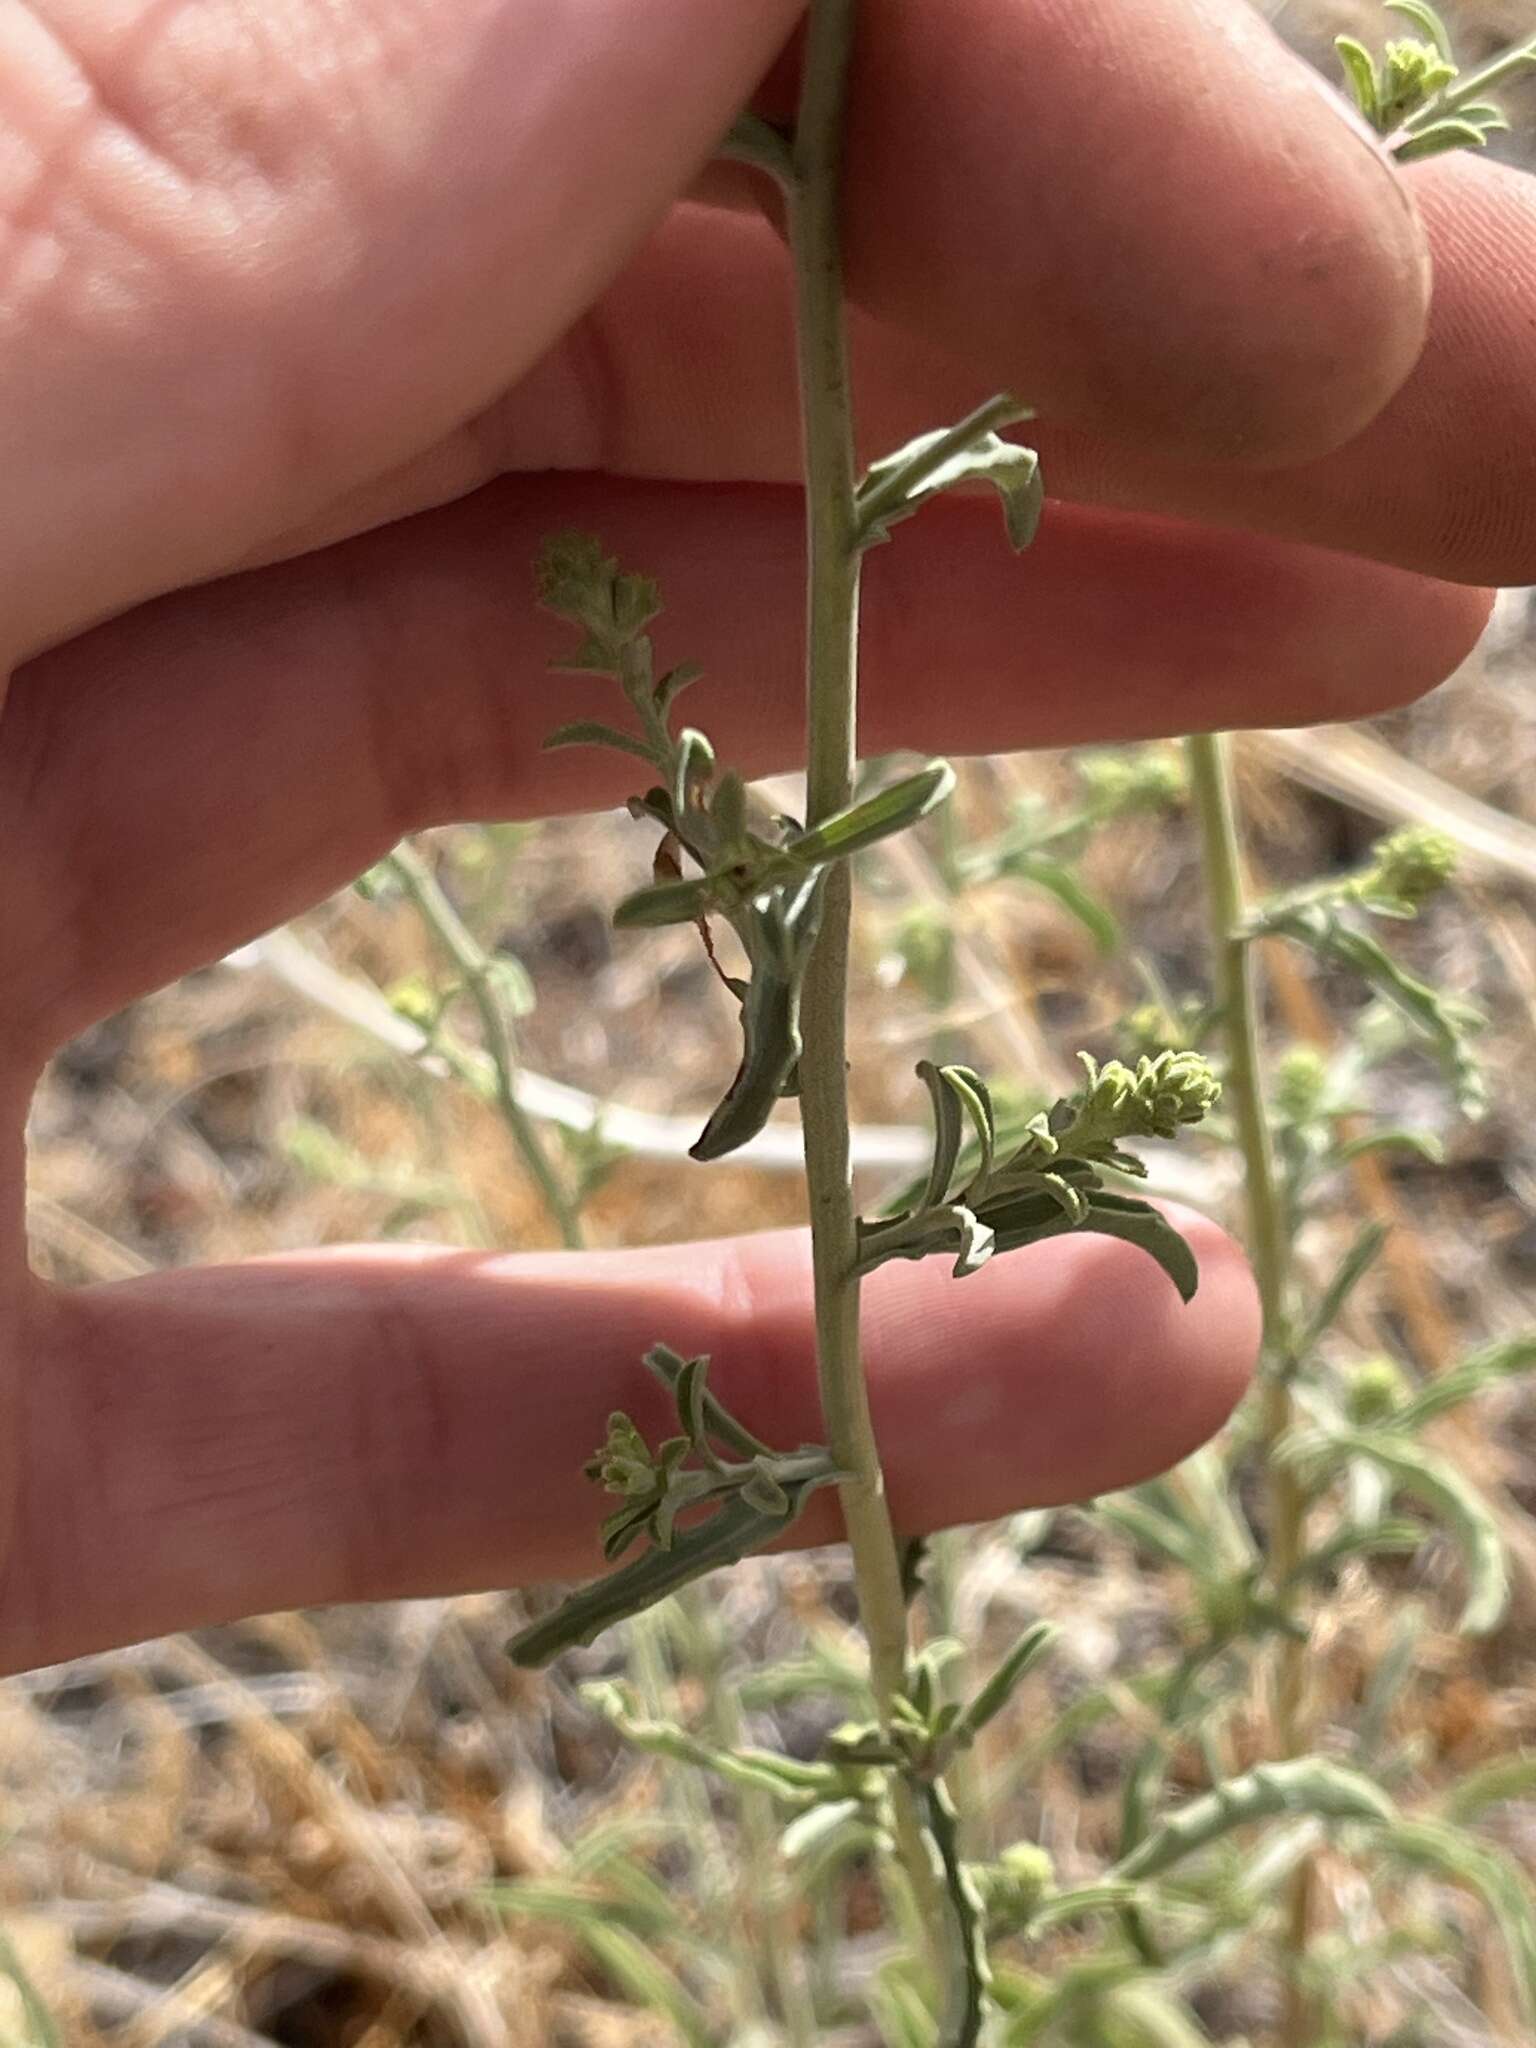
[
  {"x": 898, "y": 485},
  {"x": 1405, "y": 870},
  {"x": 763, "y": 876},
  {"x": 1416, "y": 94},
  {"x": 1050, "y": 1180},
  {"x": 1313, "y": 1786},
  {"x": 1212, "y": 1871},
  {"x": 747, "y": 1503},
  {"x": 1042, "y": 850}
]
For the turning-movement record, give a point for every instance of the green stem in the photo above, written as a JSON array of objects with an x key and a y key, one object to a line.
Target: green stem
[
  {"x": 475, "y": 967},
  {"x": 832, "y": 633},
  {"x": 1211, "y": 781},
  {"x": 765, "y": 1903},
  {"x": 831, "y": 707},
  {"x": 685, "y": 1793},
  {"x": 1470, "y": 86}
]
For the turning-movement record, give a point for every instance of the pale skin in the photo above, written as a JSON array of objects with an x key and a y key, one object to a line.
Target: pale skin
[{"x": 299, "y": 307}]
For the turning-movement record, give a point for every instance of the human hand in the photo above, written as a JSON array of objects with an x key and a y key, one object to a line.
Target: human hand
[{"x": 378, "y": 273}]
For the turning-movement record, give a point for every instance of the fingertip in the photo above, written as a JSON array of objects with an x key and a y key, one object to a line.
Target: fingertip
[
  {"x": 1182, "y": 242},
  {"x": 1054, "y": 1374}
]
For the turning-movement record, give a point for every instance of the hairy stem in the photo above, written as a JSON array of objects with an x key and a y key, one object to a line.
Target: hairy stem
[
  {"x": 475, "y": 967},
  {"x": 832, "y": 747},
  {"x": 1211, "y": 780},
  {"x": 832, "y": 632}
]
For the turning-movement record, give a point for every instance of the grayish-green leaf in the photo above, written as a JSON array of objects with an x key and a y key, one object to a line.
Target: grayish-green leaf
[
  {"x": 1444, "y": 1022},
  {"x": 1439, "y": 140},
  {"x": 1485, "y": 1871},
  {"x": 1348, "y": 1274},
  {"x": 1307, "y": 1785},
  {"x": 1456, "y": 1503},
  {"x": 785, "y": 1778},
  {"x": 779, "y": 931},
  {"x": 1001, "y": 1685},
  {"x": 594, "y": 732},
  {"x": 664, "y": 903},
  {"x": 971, "y": 452},
  {"x": 1064, "y": 883},
  {"x": 1507, "y": 1777},
  {"x": 1360, "y": 72},
  {"x": 877, "y": 817},
  {"x": 1424, "y": 17},
  {"x": 732, "y": 1532},
  {"x": 1464, "y": 1382},
  {"x": 948, "y": 1131}
]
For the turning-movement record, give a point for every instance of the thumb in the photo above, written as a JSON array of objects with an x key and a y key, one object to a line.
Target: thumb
[{"x": 252, "y": 258}]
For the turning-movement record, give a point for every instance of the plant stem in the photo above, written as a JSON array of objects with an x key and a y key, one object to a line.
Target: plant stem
[
  {"x": 831, "y": 716},
  {"x": 475, "y": 966},
  {"x": 686, "y": 1795},
  {"x": 832, "y": 633},
  {"x": 1212, "y": 784}
]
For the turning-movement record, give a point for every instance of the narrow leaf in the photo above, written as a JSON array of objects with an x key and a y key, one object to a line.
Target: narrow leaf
[
  {"x": 1435, "y": 141},
  {"x": 1308, "y": 1785},
  {"x": 1000, "y": 1687},
  {"x": 948, "y": 1130},
  {"x": 1351, "y": 1270},
  {"x": 1493, "y": 1876},
  {"x": 786, "y": 1778},
  {"x": 1067, "y": 887},
  {"x": 778, "y": 934},
  {"x": 663, "y": 903},
  {"x": 692, "y": 764},
  {"x": 669, "y": 1367},
  {"x": 1423, "y": 16},
  {"x": 1423, "y": 1143},
  {"x": 1507, "y": 1777},
  {"x": 1453, "y": 1500},
  {"x": 1443, "y": 1021},
  {"x": 1360, "y": 71},
  {"x": 731, "y": 1533},
  {"x": 899, "y": 485},
  {"x": 673, "y": 683},
  {"x": 975, "y": 1099},
  {"x": 877, "y": 817},
  {"x": 1119, "y": 1216},
  {"x": 593, "y": 732},
  {"x": 1466, "y": 1381}
]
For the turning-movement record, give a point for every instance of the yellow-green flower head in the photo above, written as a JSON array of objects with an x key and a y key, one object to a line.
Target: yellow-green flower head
[
  {"x": 1301, "y": 1084},
  {"x": 1414, "y": 863},
  {"x": 1163, "y": 1092},
  {"x": 624, "y": 1464},
  {"x": 1375, "y": 1390},
  {"x": 1411, "y": 73}
]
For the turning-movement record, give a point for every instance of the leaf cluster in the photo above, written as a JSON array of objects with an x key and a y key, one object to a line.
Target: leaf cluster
[
  {"x": 734, "y": 1504},
  {"x": 762, "y": 875},
  {"x": 1416, "y": 95},
  {"x": 984, "y": 1198},
  {"x": 1326, "y": 920}
]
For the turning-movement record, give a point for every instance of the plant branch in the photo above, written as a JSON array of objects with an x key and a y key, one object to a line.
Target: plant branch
[
  {"x": 1212, "y": 786},
  {"x": 832, "y": 626},
  {"x": 475, "y": 966},
  {"x": 831, "y": 718}
]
